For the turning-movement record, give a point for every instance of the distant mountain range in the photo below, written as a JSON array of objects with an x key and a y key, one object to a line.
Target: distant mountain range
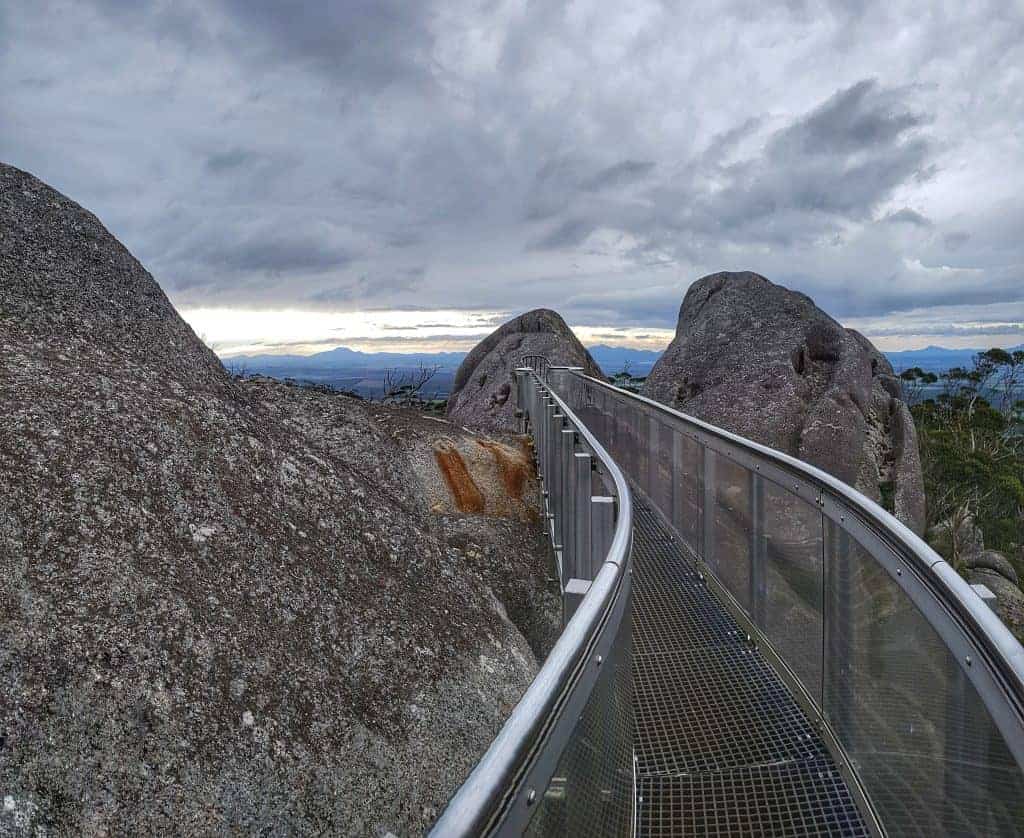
[
  {"x": 936, "y": 358},
  {"x": 363, "y": 372},
  {"x": 346, "y": 358}
]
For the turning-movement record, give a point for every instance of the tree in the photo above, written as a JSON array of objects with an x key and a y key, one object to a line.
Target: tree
[
  {"x": 404, "y": 387},
  {"x": 972, "y": 449}
]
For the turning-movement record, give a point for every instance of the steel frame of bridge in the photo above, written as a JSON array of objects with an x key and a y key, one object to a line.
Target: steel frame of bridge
[{"x": 750, "y": 647}]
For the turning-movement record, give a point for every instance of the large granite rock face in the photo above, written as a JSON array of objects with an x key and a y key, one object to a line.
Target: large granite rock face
[
  {"x": 482, "y": 395},
  {"x": 765, "y": 362},
  {"x": 226, "y": 607}
]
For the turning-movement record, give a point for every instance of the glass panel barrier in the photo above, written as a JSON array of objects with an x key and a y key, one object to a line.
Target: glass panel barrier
[
  {"x": 789, "y": 611},
  {"x": 591, "y": 791},
  {"x": 917, "y": 733},
  {"x": 563, "y": 762},
  {"x": 731, "y": 528}
]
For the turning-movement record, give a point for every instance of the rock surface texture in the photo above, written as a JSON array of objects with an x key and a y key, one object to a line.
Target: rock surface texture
[
  {"x": 765, "y": 362},
  {"x": 482, "y": 393},
  {"x": 961, "y": 541},
  {"x": 227, "y": 608}
]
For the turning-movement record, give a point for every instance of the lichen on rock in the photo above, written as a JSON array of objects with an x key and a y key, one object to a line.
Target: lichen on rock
[{"x": 227, "y": 608}]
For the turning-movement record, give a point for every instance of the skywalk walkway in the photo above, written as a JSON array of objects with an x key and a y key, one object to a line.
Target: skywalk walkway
[
  {"x": 750, "y": 648},
  {"x": 721, "y": 746}
]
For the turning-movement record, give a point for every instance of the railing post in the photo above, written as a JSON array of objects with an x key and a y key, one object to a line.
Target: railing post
[
  {"x": 837, "y": 623},
  {"x": 557, "y": 422},
  {"x": 583, "y": 467},
  {"x": 602, "y": 528},
  {"x": 575, "y": 590},
  {"x": 545, "y": 423},
  {"x": 758, "y": 586},
  {"x": 708, "y": 513},
  {"x": 522, "y": 401},
  {"x": 568, "y": 501},
  {"x": 678, "y": 472},
  {"x": 653, "y": 472}
]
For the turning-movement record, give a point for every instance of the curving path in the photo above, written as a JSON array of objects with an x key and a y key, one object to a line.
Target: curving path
[{"x": 721, "y": 746}]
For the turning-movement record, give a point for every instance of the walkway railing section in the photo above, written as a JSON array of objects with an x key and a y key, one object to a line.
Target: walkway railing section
[
  {"x": 918, "y": 687},
  {"x": 563, "y": 763}
]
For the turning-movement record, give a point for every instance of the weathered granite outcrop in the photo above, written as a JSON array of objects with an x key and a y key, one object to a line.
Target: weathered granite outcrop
[
  {"x": 482, "y": 395},
  {"x": 765, "y": 362},
  {"x": 226, "y": 606},
  {"x": 962, "y": 543}
]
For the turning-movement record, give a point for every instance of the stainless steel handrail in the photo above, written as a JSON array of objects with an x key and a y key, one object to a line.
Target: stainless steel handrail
[
  {"x": 498, "y": 778},
  {"x": 968, "y": 615},
  {"x": 501, "y": 788}
]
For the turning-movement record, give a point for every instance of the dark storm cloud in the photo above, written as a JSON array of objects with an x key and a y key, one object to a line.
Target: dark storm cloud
[
  {"x": 368, "y": 42},
  {"x": 620, "y": 174},
  {"x": 907, "y": 216},
  {"x": 273, "y": 253},
  {"x": 225, "y": 161},
  {"x": 568, "y": 234},
  {"x": 448, "y": 154}
]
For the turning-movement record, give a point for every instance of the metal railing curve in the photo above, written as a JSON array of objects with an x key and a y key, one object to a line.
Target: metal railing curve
[
  {"x": 917, "y": 685},
  {"x": 536, "y": 776}
]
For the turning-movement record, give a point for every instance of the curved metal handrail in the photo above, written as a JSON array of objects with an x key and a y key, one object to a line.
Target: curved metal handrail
[
  {"x": 485, "y": 795},
  {"x": 1004, "y": 695},
  {"x": 538, "y": 363}
]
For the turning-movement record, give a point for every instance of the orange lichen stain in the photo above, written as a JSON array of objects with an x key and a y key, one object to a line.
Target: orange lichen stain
[
  {"x": 468, "y": 497},
  {"x": 514, "y": 468}
]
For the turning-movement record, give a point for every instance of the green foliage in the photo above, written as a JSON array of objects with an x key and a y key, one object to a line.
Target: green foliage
[
  {"x": 627, "y": 381},
  {"x": 972, "y": 447}
]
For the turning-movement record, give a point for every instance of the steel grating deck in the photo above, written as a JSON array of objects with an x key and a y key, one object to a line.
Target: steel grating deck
[{"x": 721, "y": 746}]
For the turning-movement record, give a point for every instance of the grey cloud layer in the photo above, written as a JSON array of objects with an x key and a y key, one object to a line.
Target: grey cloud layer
[{"x": 498, "y": 156}]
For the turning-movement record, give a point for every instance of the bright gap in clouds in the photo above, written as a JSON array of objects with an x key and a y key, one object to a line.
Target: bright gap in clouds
[{"x": 233, "y": 331}]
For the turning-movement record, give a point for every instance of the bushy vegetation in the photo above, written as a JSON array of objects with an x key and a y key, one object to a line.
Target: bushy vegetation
[
  {"x": 627, "y": 381},
  {"x": 970, "y": 425}
]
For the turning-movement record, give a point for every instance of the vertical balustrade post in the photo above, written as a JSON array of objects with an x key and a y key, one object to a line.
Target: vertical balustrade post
[
  {"x": 678, "y": 491},
  {"x": 583, "y": 467},
  {"x": 602, "y": 529},
  {"x": 568, "y": 502},
  {"x": 557, "y": 423},
  {"x": 837, "y": 624},
  {"x": 653, "y": 461},
  {"x": 758, "y": 548},
  {"x": 708, "y": 529},
  {"x": 545, "y": 423}
]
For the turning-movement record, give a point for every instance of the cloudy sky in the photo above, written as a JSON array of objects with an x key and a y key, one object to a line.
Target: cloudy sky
[{"x": 402, "y": 174}]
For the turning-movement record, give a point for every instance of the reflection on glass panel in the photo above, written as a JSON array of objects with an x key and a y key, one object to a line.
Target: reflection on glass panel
[
  {"x": 789, "y": 610},
  {"x": 591, "y": 791},
  {"x": 731, "y": 532},
  {"x": 659, "y": 467},
  {"x": 915, "y": 729},
  {"x": 687, "y": 491}
]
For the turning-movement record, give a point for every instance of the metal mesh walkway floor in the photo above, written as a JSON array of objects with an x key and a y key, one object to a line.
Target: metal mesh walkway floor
[{"x": 722, "y": 748}]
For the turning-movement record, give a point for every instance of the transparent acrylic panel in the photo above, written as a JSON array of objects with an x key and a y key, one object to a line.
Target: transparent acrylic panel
[
  {"x": 591, "y": 791},
  {"x": 659, "y": 467},
  {"x": 626, "y": 438},
  {"x": 930, "y": 757},
  {"x": 730, "y": 535},
  {"x": 687, "y": 489},
  {"x": 788, "y": 603}
]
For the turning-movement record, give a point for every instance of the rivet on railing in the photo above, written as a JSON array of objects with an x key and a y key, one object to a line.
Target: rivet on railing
[
  {"x": 967, "y": 660},
  {"x": 531, "y": 797},
  {"x": 600, "y": 660}
]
